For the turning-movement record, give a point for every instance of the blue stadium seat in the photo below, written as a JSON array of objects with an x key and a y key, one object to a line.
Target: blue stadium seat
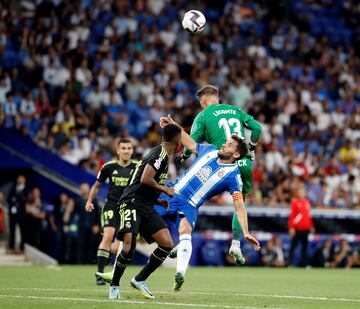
[{"x": 212, "y": 254}]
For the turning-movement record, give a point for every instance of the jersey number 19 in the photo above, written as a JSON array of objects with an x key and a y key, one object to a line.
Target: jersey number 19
[{"x": 230, "y": 126}]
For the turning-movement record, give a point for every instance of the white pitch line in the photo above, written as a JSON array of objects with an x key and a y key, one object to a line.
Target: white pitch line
[
  {"x": 323, "y": 298},
  {"x": 150, "y": 302}
]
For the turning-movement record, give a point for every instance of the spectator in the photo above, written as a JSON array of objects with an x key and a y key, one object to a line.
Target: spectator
[
  {"x": 35, "y": 216},
  {"x": 89, "y": 227},
  {"x": 300, "y": 225},
  {"x": 343, "y": 255},
  {"x": 348, "y": 152},
  {"x": 239, "y": 94},
  {"x": 2, "y": 213},
  {"x": 322, "y": 255},
  {"x": 16, "y": 201},
  {"x": 271, "y": 255},
  {"x": 70, "y": 236}
]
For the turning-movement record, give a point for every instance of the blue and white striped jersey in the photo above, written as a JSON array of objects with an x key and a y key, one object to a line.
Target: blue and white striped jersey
[{"x": 207, "y": 177}]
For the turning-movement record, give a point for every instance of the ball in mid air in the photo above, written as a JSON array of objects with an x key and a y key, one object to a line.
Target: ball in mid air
[{"x": 194, "y": 21}]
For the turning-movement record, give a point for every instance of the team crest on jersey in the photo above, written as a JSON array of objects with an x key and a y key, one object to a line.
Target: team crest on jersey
[
  {"x": 204, "y": 173},
  {"x": 221, "y": 174},
  {"x": 128, "y": 225},
  {"x": 157, "y": 163}
]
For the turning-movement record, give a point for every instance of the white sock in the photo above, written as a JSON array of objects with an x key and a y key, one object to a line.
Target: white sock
[
  {"x": 183, "y": 253},
  {"x": 235, "y": 243}
]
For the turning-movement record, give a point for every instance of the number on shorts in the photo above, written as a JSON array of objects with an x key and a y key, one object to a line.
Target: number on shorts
[
  {"x": 108, "y": 214},
  {"x": 126, "y": 216}
]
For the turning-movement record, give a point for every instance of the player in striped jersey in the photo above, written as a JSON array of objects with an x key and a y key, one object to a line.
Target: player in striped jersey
[
  {"x": 215, "y": 124},
  {"x": 213, "y": 172}
]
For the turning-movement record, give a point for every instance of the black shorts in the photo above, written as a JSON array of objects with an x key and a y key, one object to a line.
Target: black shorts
[
  {"x": 134, "y": 221},
  {"x": 110, "y": 216}
]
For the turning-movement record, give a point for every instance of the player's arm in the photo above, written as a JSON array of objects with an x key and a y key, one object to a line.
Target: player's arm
[
  {"x": 89, "y": 207},
  {"x": 148, "y": 178},
  {"x": 103, "y": 174},
  {"x": 186, "y": 139},
  {"x": 241, "y": 215},
  {"x": 256, "y": 131},
  {"x": 197, "y": 132}
]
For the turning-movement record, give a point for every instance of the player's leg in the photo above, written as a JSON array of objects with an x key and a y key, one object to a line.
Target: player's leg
[
  {"x": 188, "y": 217},
  {"x": 122, "y": 261},
  {"x": 235, "y": 248},
  {"x": 153, "y": 229},
  {"x": 183, "y": 253},
  {"x": 116, "y": 248},
  {"x": 294, "y": 242},
  {"x": 129, "y": 227},
  {"x": 304, "y": 251},
  {"x": 110, "y": 222}
]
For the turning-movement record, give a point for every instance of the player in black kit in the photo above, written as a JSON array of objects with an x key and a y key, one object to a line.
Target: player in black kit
[
  {"x": 139, "y": 216},
  {"x": 118, "y": 172}
]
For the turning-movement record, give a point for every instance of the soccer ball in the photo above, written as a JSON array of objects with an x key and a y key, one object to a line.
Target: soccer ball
[{"x": 194, "y": 21}]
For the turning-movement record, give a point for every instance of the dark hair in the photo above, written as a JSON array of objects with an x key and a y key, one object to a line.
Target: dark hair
[
  {"x": 242, "y": 147},
  {"x": 123, "y": 140},
  {"x": 170, "y": 132},
  {"x": 207, "y": 90}
]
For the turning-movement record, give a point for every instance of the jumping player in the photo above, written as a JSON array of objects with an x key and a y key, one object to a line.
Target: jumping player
[
  {"x": 213, "y": 172},
  {"x": 215, "y": 124}
]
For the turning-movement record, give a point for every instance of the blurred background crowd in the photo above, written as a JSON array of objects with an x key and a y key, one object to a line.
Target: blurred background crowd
[{"x": 77, "y": 74}]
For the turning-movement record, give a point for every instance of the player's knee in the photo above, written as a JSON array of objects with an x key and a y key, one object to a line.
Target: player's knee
[
  {"x": 168, "y": 243},
  {"x": 129, "y": 245},
  {"x": 185, "y": 228},
  {"x": 107, "y": 240}
]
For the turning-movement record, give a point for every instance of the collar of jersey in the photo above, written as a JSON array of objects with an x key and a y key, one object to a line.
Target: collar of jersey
[
  {"x": 118, "y": 162},
  {"x": 225, "y": 164}
]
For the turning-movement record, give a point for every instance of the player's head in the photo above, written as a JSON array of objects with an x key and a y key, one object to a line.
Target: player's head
[
  {"x": 233, "y": 149},
  {"x": 172, "y": 136},
  {"x": 84, "y": 189},
  {"x": 124, "y": 149},
  {"x": 208, "y": 95},
  {"x": 301, "y": 192}
]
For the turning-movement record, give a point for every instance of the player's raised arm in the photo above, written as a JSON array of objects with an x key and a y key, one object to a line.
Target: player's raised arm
[
  {"x": 256, "y": 131},
  {"x": 186, "y": 139}
]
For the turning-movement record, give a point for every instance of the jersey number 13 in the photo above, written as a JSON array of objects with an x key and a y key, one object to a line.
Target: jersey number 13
[{"x": 230, "y": 126}]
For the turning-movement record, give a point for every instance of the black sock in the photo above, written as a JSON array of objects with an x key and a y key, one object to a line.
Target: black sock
[
  {"x": 122, "y": 261},
  {"x": 102, "y": 259},
  {"x": 155, "y": 260}
]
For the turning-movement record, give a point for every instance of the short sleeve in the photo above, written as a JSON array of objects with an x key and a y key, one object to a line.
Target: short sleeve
[
  {"x": 104, "y": 173},
  {"x": 156, "y": 158},
  {"x": 234, "y": 183},
  {"x": 204, "y": 148}
]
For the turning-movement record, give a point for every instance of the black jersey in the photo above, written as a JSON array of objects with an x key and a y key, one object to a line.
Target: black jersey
[
  {"x": 118, "y": 177},
  {"x": 143, "y": 195}
]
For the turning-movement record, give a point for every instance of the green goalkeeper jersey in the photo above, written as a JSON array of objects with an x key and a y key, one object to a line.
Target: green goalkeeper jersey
[{"x": 217, "y": 123}]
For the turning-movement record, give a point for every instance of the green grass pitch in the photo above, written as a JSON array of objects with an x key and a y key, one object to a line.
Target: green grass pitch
[{"x": 233, "y": 287}]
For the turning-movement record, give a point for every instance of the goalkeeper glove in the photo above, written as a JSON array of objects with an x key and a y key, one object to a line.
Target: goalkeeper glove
[{"x": 251, "y": 148}]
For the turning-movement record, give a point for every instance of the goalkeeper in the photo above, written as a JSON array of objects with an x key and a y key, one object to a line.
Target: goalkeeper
[{"x": 215, "y": 124}]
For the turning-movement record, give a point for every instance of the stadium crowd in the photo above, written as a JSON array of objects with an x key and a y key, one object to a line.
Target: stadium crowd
[{"x": 76, "y": 75}]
